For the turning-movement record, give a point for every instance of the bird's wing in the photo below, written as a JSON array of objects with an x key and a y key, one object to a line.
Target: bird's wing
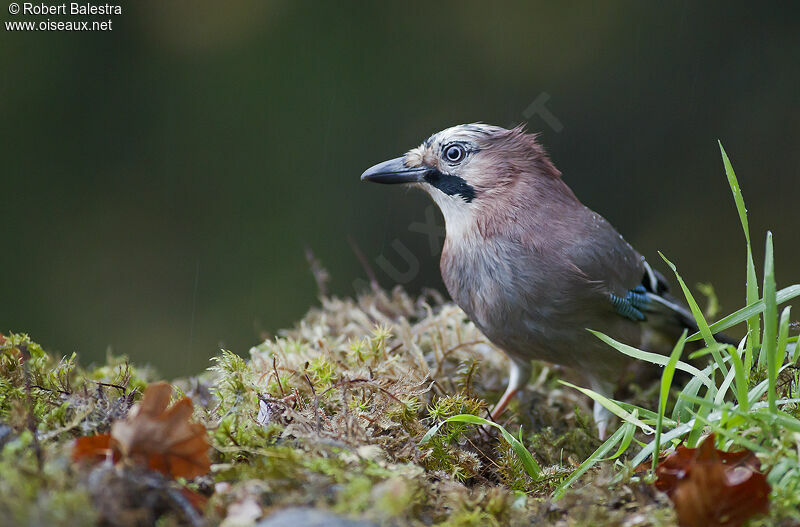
[
  {"x": 651, "y": 299},
  {"x": 603, "y": 256},
  {"x": 634, "y": 289}
]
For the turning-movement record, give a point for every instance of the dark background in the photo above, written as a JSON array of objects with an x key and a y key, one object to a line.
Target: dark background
[{"x": 160, "y": 181}]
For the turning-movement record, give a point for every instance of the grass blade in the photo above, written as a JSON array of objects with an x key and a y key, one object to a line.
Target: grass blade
[
  {"x": 783, "y": 336},
  {"x": 653, "y": 358},
  {"x": 612, "y": 407},
  {"x": 682, "y": 411},
  {"x": 531, "y": 466},
  {"x": 666, "y": 384},
  {"x": 753, "y": 328},
  {"x": 715, "y": 416},
  {"x": 725, "y": 386},
  {"x": 737, "y": 192},
  {"x": 702, "y": 412},
  {"x": 708, "y": 337},
  {"x": 598, "y": 454},
  {"x": 753, "y": 322},
  {"x": 734, "y": 437},
  {"x": 707, "y": 351},
  {"x": 757, "y": 392},
  {"x": 770, "y": 343},
  {"x": 627, "y": 439},
  {"x": 647, "y": 416},
  {"x": 752, "y": 309},
  {"x": 742, "y": 377}
]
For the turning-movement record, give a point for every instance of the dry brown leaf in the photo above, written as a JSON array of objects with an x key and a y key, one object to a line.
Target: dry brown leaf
[
  {"x": 162, "y": 438},
  {"x": 153, "y": 436},
  {"x": 712, "y": 488}
]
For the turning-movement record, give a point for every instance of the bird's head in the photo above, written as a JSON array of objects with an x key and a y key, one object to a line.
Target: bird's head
[{"x": 470, "y": 169}]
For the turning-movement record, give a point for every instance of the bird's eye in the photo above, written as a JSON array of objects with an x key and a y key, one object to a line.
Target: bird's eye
[{"x": 454, "y": 153}]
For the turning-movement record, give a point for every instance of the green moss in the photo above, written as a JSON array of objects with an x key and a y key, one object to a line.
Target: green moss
[
  {"x": 355, "y": 495},
  {"x": 34, "y": 493},
  {"x": 329, "y": 414},
  {"x": 323, "y": 372}
]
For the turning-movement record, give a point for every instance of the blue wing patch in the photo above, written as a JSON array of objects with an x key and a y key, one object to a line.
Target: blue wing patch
[{"x": 632, "y": 304}]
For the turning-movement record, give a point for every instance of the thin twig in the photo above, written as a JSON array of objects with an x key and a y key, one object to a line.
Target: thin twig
[
  {"x": 481, "y": 452},
  {"x": 112, "y": 385},
  {"x": 346, "y": 409},
  {"x": 319, "y": 272},
  {"x": 440, "y": 363},
  {"x": 277, "y": 377},
  {"x": 42, "y": 388},
  {"x": 37, "y": 447},
  {"x": 368, "y": 382},
  {"x": 316, "y": 403},
  {"x": 373, "y": 280}
]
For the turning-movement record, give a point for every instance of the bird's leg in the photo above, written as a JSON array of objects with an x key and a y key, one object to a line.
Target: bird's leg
[
  {"x": 602, "y": 416},
  {"x": 517, "y": 379},
  {"x": 503, "y": 402}
]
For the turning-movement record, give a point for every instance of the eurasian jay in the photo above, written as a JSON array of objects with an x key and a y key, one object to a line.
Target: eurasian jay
[{"x": 529, "y": 264}]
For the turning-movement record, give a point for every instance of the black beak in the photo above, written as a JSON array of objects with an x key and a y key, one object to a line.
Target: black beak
[{"x": 393, "y": 171}]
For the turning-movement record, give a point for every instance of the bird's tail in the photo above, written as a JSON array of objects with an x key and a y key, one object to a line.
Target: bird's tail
[
  {"x": 664, "y": 309},
  {"x": 675, "y": 313}
]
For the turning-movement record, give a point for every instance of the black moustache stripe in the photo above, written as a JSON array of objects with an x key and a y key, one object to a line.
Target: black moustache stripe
[{"x": 450, "y": 185}]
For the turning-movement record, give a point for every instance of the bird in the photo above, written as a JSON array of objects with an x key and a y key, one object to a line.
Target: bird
[{"x": 531, "y": 266}]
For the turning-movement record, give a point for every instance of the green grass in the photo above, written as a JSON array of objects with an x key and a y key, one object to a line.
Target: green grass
[
  {"x": 741, "y": 402},
  {"x": 532, "y": 468}
]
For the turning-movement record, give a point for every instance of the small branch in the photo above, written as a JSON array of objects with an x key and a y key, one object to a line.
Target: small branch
[
  {"x": 373, "y": 280},
  {"x": 481, "y": 452},
  {"x": 320, "y": 274},
  {"x": 112, "y": 385},
  {"x": 51, "y": 390},
  {"x": 316, "y": 403},
  {"x": 277, "y": 377},
  {"x": 368, "y": 382}
]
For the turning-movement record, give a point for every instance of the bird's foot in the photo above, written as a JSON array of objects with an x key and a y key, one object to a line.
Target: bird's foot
[{"x": 503, "y": 403}]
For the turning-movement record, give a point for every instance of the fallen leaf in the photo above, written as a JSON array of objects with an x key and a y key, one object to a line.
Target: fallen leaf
[
  {"x": 153, "y": 436},
  {"x": 162, "y": 438},
  {"x": 94, "y": 448},
  {"x": 712, "y": 488}
]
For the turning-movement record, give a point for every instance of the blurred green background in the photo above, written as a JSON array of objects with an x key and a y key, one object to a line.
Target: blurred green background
[{"x": 160, "y": 181}]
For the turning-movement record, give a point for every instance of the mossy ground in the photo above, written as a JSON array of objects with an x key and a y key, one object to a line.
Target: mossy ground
[{"x": 328, "y": 414}]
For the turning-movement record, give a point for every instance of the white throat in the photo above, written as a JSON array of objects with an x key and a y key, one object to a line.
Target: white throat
[{"x": 458, "y": 216}]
